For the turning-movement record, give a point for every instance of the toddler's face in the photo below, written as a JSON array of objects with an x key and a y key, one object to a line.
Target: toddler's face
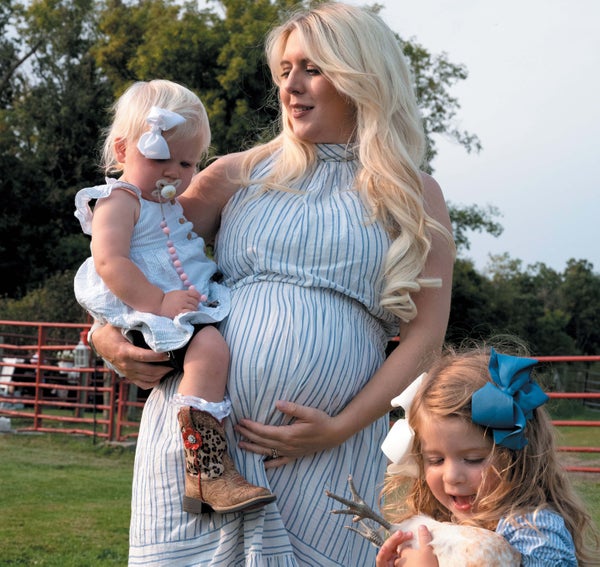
[
  {"x": 178, "y": 169},
  {"x": 455, "y": 457}
]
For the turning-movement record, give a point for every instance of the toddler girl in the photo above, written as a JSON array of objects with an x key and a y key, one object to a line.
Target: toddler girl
[
  {"x": 481, "y": 451},
  {"x": 149, "y": 275}
]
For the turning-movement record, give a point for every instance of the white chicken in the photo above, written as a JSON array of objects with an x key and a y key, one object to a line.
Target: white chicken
[{"x": 454, "y": 545}]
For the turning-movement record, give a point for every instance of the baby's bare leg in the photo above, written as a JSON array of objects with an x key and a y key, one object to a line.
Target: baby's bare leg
[{"x": 206, "y": 366}]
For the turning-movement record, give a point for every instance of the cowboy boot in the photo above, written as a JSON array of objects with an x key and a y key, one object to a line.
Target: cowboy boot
[{"x": 211, "y": 479}]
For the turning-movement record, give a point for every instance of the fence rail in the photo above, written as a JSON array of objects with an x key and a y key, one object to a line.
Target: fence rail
[{"x": 40, "y": 391}]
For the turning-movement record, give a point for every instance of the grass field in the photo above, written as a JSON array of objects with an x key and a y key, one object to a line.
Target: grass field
[{"x": 64, "y": 501}]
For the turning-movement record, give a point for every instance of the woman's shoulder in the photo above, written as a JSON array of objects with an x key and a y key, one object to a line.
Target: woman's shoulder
[
  {"x": 431, "y": 188},
  {"x": 434, "y": 200}
]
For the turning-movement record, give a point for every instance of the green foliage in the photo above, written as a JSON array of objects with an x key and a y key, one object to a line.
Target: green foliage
[
  {"x": 54, "y": 301},
  {"x": 433, "y": 76},
  {"x": 554, "y": 312},
  {"x": 472, "y": 218},
  {"x": 49, "y": 134}
]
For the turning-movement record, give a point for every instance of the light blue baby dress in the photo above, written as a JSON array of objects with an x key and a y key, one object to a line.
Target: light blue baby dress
[{"x": 150, "y": 254}]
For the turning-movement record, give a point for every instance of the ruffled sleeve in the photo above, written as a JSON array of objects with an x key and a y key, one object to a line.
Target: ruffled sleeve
[
  {"x": 542, "y": 539},
  {"x": 84, "y": 213}
]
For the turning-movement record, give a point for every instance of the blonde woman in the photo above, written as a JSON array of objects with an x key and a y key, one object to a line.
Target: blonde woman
[{"x": 331, "y": 240}]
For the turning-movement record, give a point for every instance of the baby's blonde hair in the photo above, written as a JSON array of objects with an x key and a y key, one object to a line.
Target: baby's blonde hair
[
  {"x": 527, "y": 480},
  {"x": 359, "y": 54},
  {"x": 132, "y": 108}
]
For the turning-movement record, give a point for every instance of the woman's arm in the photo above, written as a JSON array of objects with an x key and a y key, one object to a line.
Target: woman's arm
[
  {"x": 129, "y": 360},
  {"x": 420, "y": 342},
  {"x": 209, "y": 192}
]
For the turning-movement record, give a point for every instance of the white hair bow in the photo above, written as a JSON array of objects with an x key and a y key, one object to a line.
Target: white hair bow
[
  {"x": 152, "y": 144},
  {"x": 397, "y": 446}
]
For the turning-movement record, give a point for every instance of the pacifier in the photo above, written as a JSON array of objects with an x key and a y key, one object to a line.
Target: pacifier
[{"x": 166, "y": 189}]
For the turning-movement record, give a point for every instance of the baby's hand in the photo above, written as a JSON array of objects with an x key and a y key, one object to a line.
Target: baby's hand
[{"x": 179, "y": 301}]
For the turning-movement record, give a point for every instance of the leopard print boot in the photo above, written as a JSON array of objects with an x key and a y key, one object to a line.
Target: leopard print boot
[{"x": 211, "y": 479}]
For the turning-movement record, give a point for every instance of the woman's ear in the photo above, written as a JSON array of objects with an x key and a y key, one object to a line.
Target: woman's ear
[{"x": 121, "y": 149}]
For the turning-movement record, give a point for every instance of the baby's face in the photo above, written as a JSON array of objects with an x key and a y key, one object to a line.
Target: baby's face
[
  {"x": 456, "y": 456},
  {"x": 177, "y": 170}
]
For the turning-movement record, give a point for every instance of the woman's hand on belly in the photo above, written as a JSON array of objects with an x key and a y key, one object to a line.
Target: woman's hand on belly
[{"x": 311, "y": 431}]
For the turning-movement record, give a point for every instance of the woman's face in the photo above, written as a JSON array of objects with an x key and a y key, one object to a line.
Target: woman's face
[{"x": 317, "y": 112}]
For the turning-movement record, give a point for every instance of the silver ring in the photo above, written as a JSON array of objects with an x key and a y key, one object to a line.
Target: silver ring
[{"x": 274, "y": 454}]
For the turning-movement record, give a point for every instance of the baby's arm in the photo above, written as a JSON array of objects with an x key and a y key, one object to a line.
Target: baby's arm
[{"x": 112, "y": 227}]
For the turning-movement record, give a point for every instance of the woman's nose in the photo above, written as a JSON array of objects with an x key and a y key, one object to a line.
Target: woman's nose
[{"x": 293, "y": 82}]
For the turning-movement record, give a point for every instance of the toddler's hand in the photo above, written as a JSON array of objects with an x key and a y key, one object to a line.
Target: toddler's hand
[
  {"x": 179, "y": 301},
  {"x": 389, "y": 555},
  {"x": 394, "y": 554}
]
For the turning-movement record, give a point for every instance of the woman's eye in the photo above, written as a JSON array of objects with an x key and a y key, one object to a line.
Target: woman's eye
[{"x": 313, "y": 71}]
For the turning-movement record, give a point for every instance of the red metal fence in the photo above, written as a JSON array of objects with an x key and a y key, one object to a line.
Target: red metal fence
[{"x": 51, "y": 382}]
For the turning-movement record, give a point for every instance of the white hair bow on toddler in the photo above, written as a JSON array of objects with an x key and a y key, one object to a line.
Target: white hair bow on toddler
[
  {"x": 397, "y": 446},
  {"x": 152, "y": 143}
]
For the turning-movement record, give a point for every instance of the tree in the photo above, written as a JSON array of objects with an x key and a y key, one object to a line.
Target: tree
[
  {"x": 580, "y": 295},
  {"x": 48, "y": 141},
  {"x": 473, "y": 218},
  {"x": 433, "y": 76},
  {"x": 470, "y": 307}
]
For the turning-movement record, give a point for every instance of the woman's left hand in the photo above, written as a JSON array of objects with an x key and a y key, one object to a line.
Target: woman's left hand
[{"x": 311, "y": 431}]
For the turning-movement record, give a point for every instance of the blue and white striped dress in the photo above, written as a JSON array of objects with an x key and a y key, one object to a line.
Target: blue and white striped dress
[
  {"x": 542, "y": 539},
  {"x": 305, "y": 325}
]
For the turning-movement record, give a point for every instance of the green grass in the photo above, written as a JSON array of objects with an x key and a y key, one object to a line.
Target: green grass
[{"x": 65, "y": 501}]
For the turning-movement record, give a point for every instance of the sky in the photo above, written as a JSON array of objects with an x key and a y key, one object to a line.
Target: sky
[{"x": 533, "y": 98}]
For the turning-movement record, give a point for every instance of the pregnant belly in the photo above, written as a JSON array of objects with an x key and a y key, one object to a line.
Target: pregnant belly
[{"x": 311, "y": 346}]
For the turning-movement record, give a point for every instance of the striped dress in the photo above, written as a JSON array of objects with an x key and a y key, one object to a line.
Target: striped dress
[
  {"x": 542, "y": 539},
  {"x": 305, "y": 325}
]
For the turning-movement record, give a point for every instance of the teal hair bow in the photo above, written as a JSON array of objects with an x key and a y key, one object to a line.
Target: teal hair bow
[{"x": 506, "y": 404}]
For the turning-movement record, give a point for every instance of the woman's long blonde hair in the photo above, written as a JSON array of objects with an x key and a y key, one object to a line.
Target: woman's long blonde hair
[
  {"x": 529, "y": 479},
  {"x": 361, "y": 56}
]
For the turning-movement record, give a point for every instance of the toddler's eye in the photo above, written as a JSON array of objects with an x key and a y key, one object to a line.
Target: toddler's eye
[{"x": 476, "y": 461}]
